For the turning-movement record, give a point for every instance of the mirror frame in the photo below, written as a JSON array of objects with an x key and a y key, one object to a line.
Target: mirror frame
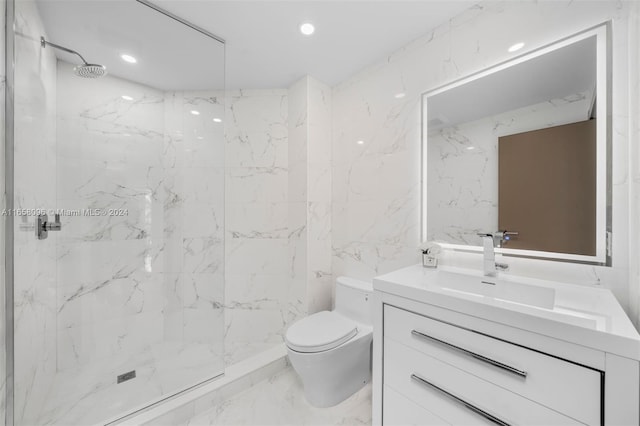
[{"x": 603, "y": 254}]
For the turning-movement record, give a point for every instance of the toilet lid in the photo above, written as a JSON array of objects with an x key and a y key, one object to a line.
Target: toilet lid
[{"x": 320, "y": 332}]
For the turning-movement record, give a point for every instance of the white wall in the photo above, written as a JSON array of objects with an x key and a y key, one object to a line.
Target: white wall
[
  {"x": 278, "y": 224},
  {"x": 376, "y": 185}
]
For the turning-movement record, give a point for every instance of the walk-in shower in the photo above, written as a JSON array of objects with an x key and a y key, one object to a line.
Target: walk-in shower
[{"x": 123, "y": 306}]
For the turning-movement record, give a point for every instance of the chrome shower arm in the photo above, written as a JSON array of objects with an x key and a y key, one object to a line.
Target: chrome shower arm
[{"x": 44, "y": 43}]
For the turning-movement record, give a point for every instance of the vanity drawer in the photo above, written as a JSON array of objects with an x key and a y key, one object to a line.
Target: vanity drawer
[
  {"x": 555, "y": 383},
  {"x": 400, "y": 410},
  {"x": 457, "y": 397}
]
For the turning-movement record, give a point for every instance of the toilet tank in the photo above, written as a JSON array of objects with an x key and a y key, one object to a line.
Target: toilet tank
[{"x": 354, "y": 299}]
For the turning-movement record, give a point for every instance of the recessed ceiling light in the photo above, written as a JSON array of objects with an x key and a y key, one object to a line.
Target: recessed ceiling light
[
  {"x": 194, "y": 112},
  {"x": 217, "y": 120},
  {"x": 127, "y": 98},
  {"x": 516, "y": 47},
  {"x": 200, "y": 138},
  {"x": 307, "y": 28},
  {"x": 471, "y": 148},
  {"x": 128, "y": 58},
  {"x": 360, "y": 142},
  {"x": 400, "y": 95}
]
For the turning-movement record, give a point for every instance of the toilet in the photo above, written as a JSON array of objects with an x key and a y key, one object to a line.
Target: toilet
[{"x": 331, "y": 350}]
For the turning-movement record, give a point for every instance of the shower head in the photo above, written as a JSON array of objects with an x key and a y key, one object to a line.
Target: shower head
[
  {"x": 90, "y": 70},
  {"x": 86, "y": 69}
]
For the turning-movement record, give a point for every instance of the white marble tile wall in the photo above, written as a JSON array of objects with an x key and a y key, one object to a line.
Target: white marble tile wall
[
  {"x": 35, "y": 165},
  {"x": 297, "y": 184},
  {"x": 376, "y": 197},
  {"x": 258, "y": 259},
  {"x": 310, "y": 194},
  {"x": 193, "y": 222},
  {"x": 462, "y": 171},
  {"x": 319, "y": 276},
  {"x": 109, "y": 268}
]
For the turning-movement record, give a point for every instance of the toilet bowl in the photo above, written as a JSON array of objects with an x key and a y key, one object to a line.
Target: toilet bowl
[{"x": 331, "y": 350}]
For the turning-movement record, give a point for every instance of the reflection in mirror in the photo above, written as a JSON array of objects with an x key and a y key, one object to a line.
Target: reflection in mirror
[{"x": 522, "y": 147}]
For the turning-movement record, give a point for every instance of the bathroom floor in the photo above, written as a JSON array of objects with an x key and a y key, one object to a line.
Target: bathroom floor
[{"x": 279, "y": 400}]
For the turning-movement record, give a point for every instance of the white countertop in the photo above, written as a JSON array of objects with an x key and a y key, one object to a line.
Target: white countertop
[{"x": 587, "y": 316}]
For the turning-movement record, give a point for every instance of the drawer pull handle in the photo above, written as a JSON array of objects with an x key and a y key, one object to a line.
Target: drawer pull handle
[
  {"x": 493, "y": 362},
  {"x": 471, "y": 407}
]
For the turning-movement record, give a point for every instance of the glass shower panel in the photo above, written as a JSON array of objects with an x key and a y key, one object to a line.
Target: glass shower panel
[{"x": 123, "y": 306}]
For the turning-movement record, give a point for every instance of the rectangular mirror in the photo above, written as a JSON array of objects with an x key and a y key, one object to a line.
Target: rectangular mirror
[{"x": 524, "y": 147}]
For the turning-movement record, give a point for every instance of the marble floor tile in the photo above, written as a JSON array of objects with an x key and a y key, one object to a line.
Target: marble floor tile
[
  {"x": 90, "y": 395},
  {"x": 280, "y": 401}
]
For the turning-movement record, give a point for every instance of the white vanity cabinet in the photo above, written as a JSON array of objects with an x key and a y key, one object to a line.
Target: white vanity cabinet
[{"x": 441, "y": 358}]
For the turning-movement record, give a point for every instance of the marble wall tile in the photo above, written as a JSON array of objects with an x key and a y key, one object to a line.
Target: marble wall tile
[
  {"x": 203, "y": 255},
  {"x": 203, "y": 138},
  {"x": 256, "y": 185},
  {"x": 256, "y": 291},
  {"x": 387, "y": 164},
  {"x": 298, "y": 128},
  {"x": 250, "y": 331},
  {"x": 194, "y": 217},
  {"x": 310, "y": 194},
  {"x": 258, "y": 257},
  {"x": 297, "y": 221},
  {"x": 298, "y": 140},
  {"x": 258, "y": 220},
  {"x": 390, "y": 223},
  {"x": 203, "y": 290},
  {"x": 257, "y": 128},
  {"x": 203, "y": 185}
]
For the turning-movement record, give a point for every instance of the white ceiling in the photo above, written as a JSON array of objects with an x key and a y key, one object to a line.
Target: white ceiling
[
  {"x": 171, "y": 56},
  {"x": 264, "y": 48}
]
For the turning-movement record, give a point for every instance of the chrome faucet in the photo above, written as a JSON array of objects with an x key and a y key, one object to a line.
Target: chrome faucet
[{"x": 489, "y": 242}]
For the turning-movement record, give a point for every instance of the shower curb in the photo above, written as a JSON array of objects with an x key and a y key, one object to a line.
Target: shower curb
[{"x": 184, "y": 406}]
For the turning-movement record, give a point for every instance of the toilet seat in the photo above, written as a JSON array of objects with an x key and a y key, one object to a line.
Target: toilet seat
[{"x": 320, "y": 332}]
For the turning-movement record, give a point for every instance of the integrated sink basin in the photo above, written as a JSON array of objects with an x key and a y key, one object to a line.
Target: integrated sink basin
[{"x": 499, "y": 289}]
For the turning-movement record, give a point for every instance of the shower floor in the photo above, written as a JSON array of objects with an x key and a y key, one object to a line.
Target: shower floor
[{"x": 90, "y": 395}]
